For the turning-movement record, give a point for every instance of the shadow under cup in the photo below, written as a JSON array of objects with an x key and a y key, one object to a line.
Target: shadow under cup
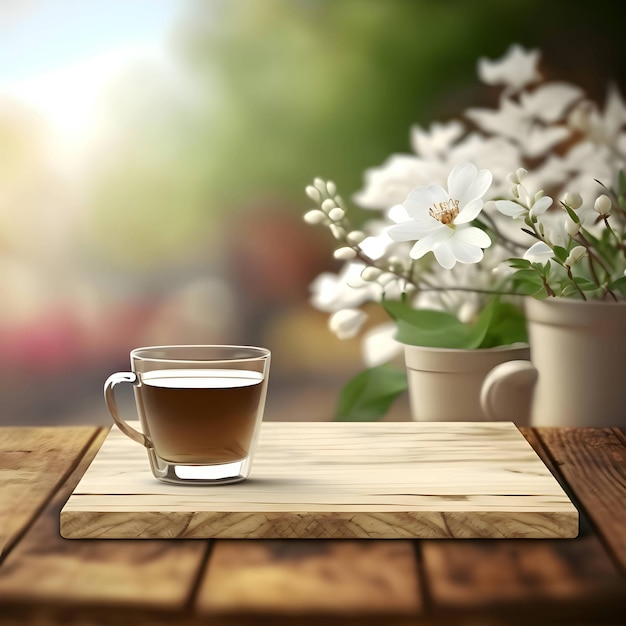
[{"x": 200, "y": 409}]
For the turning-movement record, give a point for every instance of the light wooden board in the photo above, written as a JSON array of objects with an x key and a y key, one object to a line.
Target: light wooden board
[
  {"x": 336, "y": 480},
  {"x": 32, "y": 464}
]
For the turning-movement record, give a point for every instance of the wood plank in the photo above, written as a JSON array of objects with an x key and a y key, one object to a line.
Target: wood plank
[
  {"x": 520, "y": 578},
  {"x": 33, "y": 462},
  {"x": 44, "y": 569},
  {"x": 593, "y": 461},
  {"x": 336, "y": 480},
  {"x": 305, "y": 577}
]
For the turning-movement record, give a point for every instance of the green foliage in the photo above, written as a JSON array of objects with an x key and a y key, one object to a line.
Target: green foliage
[
  {"x": 368, "y": 396},
  {"x": 499, "y": 323}
]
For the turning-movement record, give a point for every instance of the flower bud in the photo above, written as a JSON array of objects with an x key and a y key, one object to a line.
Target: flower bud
[
  {"x": 313, "y": 193},
  {"x": 331, "y": 187},
  {"x": 336, "y": 213},
  {"x": 573, "y": 200},
  {"x": 370, "y": 273},
  {"x": 320, "y": 184},
  {"x": 395, "y": 263},
  {"x": 345, "y": 253},
  {"x": 356, "y": 236},
  {"x": 328, "y": 205},
  {"x": 517, "y": 176},
  {"x": 572, "y": 228},
  {"x": 347, "y": 323},
  {"x": 603, "y": 205},
  {"x": 575, "y": 255},
  {"x": 314, "y": 216}
]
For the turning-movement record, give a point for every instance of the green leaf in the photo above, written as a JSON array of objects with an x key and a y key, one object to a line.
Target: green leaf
[
  {"x": 518, "y": 263},
  {"x": 572, "y": 214},
  {"x": 584, "y": 283},
  {"x": 507, "y": 325},
  {"x": 529, "y": 289},
  {"x": 529, "y": 276},
  {"x": 619, "y": 285},
  {"x": 560, "y": 253},
  {"x": 595, "y": 242},
  {"x": 368, "y": 396},
  {"x": 424, "y": 327}
]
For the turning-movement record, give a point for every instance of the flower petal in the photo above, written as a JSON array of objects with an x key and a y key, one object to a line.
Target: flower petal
[
  {"x": 460, "y": 179},
  {"x": 347, "y": 323},
  {"x": 511, "y": 209},
  {"x": 444, "y": 254},
  {"x": 378, "y": 345},
  {"x": 413, "y": 230},
  {"x": 541, "y": 206},
  {"x": 479, "y": 187},
  {"x": 469, "y": 211},
  {"x": 465, "y": 252},
  {"x": 539, "y": 252},
  {"x": 421, "y": 199},
  {"x": 398, "y": 213},
  {"x": 430, "y": 242},
  {"x": 473, "y": 236}
]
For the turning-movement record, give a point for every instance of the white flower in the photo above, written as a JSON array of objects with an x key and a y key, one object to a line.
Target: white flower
[
  {"x": 379, "y": 345},
  {"x": 526, "y": 204},
  {"x": 346, "y": 323},
  {"x": 523, "y": 126},
  {"x": 516, "y": 69},
  {"x": 437, "y": 140},
  {"x": 571, "y": 227},
  {"x": 573, "y": 200},
  {"x": 539, "y": 252},
  {"x": 440, "y": 218},
  {"x": 603, "y": 129},
  {"x": 576, "y": 254},
  {"x": 332, "y": 292},
  {"x": 603, "y": 205}
]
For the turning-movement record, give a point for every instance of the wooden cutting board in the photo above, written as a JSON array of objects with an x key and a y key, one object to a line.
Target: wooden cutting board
[{"x": 336, "y": 480}]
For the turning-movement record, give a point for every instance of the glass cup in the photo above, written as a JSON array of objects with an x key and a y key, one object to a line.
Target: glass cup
[{"x": 200, "y": 409}]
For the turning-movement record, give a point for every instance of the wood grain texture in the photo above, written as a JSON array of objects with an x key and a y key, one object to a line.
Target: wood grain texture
[
  {"x": 519, "y": 576},
  {"x": 336, "y": 480},
  {"x": 33, "y": 462},
  {"x": 44, "y": 570},
  {"x": 296, "y": 577},
  {"x": 593, "y": 461}
]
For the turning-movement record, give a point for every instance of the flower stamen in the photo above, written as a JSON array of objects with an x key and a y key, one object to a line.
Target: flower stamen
[{"x": 445, "y": 212}]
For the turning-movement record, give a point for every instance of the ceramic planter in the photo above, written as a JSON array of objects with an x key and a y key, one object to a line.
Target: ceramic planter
[
  {"x": 445, "y": 384},
  {"x": 576, "y": 377}
]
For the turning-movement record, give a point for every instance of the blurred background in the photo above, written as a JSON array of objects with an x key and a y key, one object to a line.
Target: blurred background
[{"x": 154, "y": 154}]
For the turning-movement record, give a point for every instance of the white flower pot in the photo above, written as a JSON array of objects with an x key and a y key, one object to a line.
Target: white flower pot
[
  {"x": 576, "y": 377},
  {"x": 445, "y": 384}
]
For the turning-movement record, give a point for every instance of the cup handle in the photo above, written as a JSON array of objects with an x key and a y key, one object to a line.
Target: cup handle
[
  {"x": 507, "y": 391},
  {"x": 109, "y": 398}
]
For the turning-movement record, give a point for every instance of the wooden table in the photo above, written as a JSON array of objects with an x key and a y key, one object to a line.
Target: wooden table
[{"x": 45, "y": 579}]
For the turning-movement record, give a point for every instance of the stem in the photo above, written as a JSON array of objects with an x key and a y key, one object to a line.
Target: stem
[
  {"x": 548, "y": 289},
  {"x": 571, "y": 277},
  {"x": 507, "y": 243},
  {"x": 620, "y": 243},
  {"x": 592, "y": 253}
]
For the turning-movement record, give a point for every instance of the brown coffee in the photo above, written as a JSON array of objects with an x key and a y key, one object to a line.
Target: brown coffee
[{"x": 201, "y": 416}]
